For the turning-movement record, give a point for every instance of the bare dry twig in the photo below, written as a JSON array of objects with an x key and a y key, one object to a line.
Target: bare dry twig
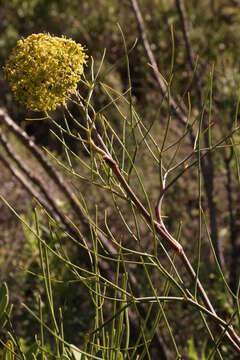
[{"x": 207, "y": 166}]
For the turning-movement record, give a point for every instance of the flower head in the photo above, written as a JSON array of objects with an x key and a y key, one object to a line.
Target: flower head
[{"x": 44, "y": 70}]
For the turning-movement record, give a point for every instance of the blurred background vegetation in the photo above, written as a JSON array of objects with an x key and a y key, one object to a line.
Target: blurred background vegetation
[{"x": 214, "y": 28}]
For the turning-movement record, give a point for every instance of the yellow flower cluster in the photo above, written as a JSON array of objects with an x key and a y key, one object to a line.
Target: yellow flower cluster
[{"x": 44, "y": 70}]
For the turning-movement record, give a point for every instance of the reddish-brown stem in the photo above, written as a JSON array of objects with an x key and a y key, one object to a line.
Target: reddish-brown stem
[{"x": 161, "y": 230}]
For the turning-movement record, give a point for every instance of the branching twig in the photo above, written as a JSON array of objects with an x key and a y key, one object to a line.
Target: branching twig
[{"x": 232, "y": 336}]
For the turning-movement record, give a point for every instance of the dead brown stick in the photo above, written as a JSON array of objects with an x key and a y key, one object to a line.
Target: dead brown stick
[
  {"x": 26, "y": 184},
  {"x": 207, "y": 166},
  {"x": 175, "y": 108},
  {"x": 30, "y": 175},
  {"x": 190, "y": 54}
]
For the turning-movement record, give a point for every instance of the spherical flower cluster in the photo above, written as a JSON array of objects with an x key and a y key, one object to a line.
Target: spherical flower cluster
[{"x": 44, "y": 70}]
